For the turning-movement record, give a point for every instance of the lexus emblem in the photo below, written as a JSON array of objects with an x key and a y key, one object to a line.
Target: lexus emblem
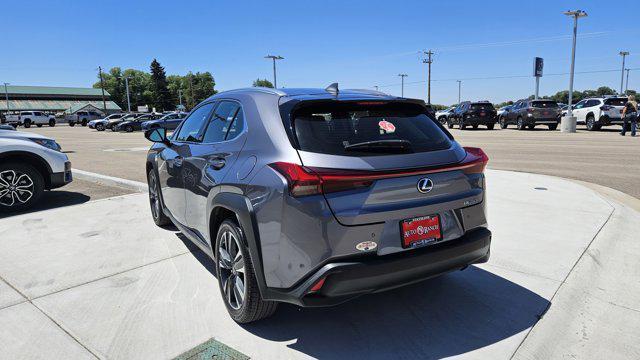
[{"x": 425, "y": 185}]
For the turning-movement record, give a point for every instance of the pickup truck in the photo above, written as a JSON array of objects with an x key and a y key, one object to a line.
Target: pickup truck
[
  {"x": 28, "y": 118},
  {"x": 82, "y": 117}
]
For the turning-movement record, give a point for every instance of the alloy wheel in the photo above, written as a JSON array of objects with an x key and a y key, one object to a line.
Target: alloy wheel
[
  {"x": 154, "y": 198},
  {"x": 232, "y": 271},
  {"x": 15, "y": 188}
]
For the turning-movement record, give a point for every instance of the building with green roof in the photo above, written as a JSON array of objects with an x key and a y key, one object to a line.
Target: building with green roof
[{"x": 54, "y": 99}]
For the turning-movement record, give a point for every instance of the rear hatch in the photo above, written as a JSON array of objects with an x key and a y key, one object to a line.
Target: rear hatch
[
  {"x": 482, "y": 110},
  {"x": 388, "y": 148},
  {"x": 613, "y": 106},
  {"x": 544, "y": 109}
]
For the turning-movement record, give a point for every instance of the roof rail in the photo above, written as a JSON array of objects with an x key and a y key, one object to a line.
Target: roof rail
[{"x": 256, "y": 89}]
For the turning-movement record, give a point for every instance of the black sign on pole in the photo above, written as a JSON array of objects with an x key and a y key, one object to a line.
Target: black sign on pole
[{"x": 538, "y": 64}]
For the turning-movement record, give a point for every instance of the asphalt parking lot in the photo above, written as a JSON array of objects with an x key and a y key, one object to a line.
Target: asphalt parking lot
[{"x": 602, "y": 157}]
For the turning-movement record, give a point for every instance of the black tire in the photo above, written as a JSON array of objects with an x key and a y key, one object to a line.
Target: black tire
[
  {"x": 520, "y": 124},
  {"x": 591, "y": 123},
  {"x": 99, "y": 127},
  {"x": 462, "y": 125},
  {"x": 128, "y": 128},
  {"x": 442, "y": 119},
  {"x": 490, "y": 126},
  {"x": 52, "y": 123},
  {"x": 531, "y": 127},
  {"x": 449, "y": 124},
  {"x": 84, "y": 122},
  {"x": 21, "y": 186},
  {"x": 39, "y": 125},
  {"x": 503, "y": 123},
  {"x": 27, "y": 123},
  {"x": 474, "y": 126},
  {"x": 553, "y": 127},
  {"x": 155, "y": 200},
  {"x": 72, "y": 124},
  {"x": 252, "y": 308}
]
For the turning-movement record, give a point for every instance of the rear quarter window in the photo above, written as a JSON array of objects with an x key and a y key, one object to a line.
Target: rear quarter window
[{"x": 367, "y": 129}]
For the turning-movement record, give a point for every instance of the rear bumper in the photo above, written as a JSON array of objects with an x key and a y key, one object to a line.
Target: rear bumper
[
  {"x": 350, "y": 278},
  {"x": 541, "y": 121},
  {"x": 608, "y": 120},
  {"x": 481, "y": 120}
]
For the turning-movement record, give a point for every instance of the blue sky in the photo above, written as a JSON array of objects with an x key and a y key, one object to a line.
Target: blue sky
[{"x": 360, "y": 44}]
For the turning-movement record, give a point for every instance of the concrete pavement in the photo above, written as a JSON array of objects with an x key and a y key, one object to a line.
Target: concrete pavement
[{"x": 116, "y": 286}]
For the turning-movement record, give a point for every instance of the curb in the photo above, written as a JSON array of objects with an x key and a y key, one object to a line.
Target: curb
[{"x": 110, "y": 180}]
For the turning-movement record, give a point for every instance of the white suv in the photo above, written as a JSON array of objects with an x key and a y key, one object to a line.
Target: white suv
[
  {"x": 29, "y": 164},
  {"x": 599, "y": 112}
]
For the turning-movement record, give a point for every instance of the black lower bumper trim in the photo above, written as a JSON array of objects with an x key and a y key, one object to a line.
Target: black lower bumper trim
[
  {"x": 60, "y": 179},
  {"x": 345, "y": 280}
]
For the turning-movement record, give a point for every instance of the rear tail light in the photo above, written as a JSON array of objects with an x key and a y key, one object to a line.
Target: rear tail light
[
  {"x": 606, "y": 107},
  {"x": 317, "y": 286},
  {"x": 529, "y": 110},
  {"x": 305, "y": 181}
]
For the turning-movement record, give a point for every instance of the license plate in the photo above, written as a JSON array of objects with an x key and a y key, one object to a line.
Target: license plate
[
  {"x": 546, "y": 113},
  {"x": 482, "y": 114},
  {"x": 420, "y": 231}
]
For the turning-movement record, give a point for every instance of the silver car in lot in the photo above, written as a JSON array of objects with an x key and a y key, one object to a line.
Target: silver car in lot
[{"x": 316, "y": 196}]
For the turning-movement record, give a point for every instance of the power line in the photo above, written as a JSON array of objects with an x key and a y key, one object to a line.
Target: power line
[{"x": 504, "y": 77}]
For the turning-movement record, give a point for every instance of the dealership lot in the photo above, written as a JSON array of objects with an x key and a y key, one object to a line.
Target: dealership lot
[
  {"x": 602, "y": 157},
  {"x": 91, "y": 289}
]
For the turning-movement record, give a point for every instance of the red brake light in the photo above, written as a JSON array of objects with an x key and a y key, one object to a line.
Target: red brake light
[
  {"x": 304, "y": 181},
  {"x": 317, "y": 286},
  {"x": 475, "y": 162}
]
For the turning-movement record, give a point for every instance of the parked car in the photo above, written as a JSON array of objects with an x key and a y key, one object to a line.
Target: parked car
[
  {"x": 441, "y": 115},
  {"x": 28, "y": 118},
  {"x": 134, "y": 124},
  {"x": 169, "y": 121},
  {"x": 29, "y": 164},
  {"x": 502, "y": 110},
  {"x": 473, "y": 114},
  {"x": 82, "y": 117},
  {"x": 7, "y": 127},
  {"x": 100, "y": 124},
  {"x": 109, "y": 124},
  {"x": 598, "y": 112},
  {"x": 315, "y": 197},
  {"x": 526, "y": 114}
]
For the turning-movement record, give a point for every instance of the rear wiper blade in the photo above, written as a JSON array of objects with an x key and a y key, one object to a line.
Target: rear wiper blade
[{"x": 381, "y": 145}]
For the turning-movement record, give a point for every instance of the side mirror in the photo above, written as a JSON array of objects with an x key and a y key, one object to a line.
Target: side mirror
[{"x": 157, "y": 135}]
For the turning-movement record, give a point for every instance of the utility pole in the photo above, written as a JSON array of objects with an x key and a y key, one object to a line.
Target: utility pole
[
  {"x": 402, "y": 76},
  {"x": 126, "y": 84},
  {"x": 376, "y": 87},
  {"x": 568, "y": 123},
  {"x": 428, "y": 61},
  {"x": 180, "y": 98},
  {"x": 626, "y": 87},
  {"x": 459, "y": 90},
  {"x": 104, "y": 102},
  {"x": 274, "y": 58},
  {"x": 624, "y": 55},
  {"x": 6, "y": 96}
]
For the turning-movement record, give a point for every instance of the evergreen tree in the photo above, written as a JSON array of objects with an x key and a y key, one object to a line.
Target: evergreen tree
[{"x": 161, "y": 96}]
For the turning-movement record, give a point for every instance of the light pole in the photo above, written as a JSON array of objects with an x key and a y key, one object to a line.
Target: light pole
[
  {"x": 274, "y": 58},
  {"x": 459, "y": 89},
  {"x": 428, "y": 61},
  {"x": 624, "y": 55},
  {"x": 6, "y": 95},
  {"x": 180, "y": 98},
  {"x": 126, "y": 84},
  {"x": 568, "y": 122},
  {"x": 376, "y": 87},
  {"x": 402, "y": 76},
  {"x": 626, "y": 87}
]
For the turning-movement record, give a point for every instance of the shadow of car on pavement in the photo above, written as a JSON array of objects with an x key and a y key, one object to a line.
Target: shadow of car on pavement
[
  {"x": 446, "y": 316},
  {"x": 51, "y": 200}
]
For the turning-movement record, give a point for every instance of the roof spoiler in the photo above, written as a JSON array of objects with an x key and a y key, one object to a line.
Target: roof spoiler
[{"x": 333, "y": 89}]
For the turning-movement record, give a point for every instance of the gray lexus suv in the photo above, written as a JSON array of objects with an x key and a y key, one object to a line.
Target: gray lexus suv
[{"x": 317, "y": 196}]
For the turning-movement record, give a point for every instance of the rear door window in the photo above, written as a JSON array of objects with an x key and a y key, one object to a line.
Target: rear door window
[
  {"x": 366, "y": 129},
  {"x": 221, "y": 121}
]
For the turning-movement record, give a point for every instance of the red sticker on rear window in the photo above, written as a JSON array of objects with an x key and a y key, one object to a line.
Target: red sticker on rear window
[{"x": 387, "y": 126}]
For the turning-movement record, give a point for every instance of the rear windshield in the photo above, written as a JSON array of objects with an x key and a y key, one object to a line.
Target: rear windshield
[
  {"x": 544, "y": 104},
  {"x": 367, "y": 129},
  {"x": 482, "y": 106},
  {"x": 615, "y": 101}
]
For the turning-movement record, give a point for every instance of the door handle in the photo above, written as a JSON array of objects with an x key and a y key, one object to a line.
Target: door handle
[{"x": 217, "y": 163}]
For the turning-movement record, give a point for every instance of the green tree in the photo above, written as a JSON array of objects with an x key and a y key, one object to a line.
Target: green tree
[
  {"x": 160, "y": 91},
  {"x": 262, "y": 83},
  {"x": 197, "y": 87}
]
